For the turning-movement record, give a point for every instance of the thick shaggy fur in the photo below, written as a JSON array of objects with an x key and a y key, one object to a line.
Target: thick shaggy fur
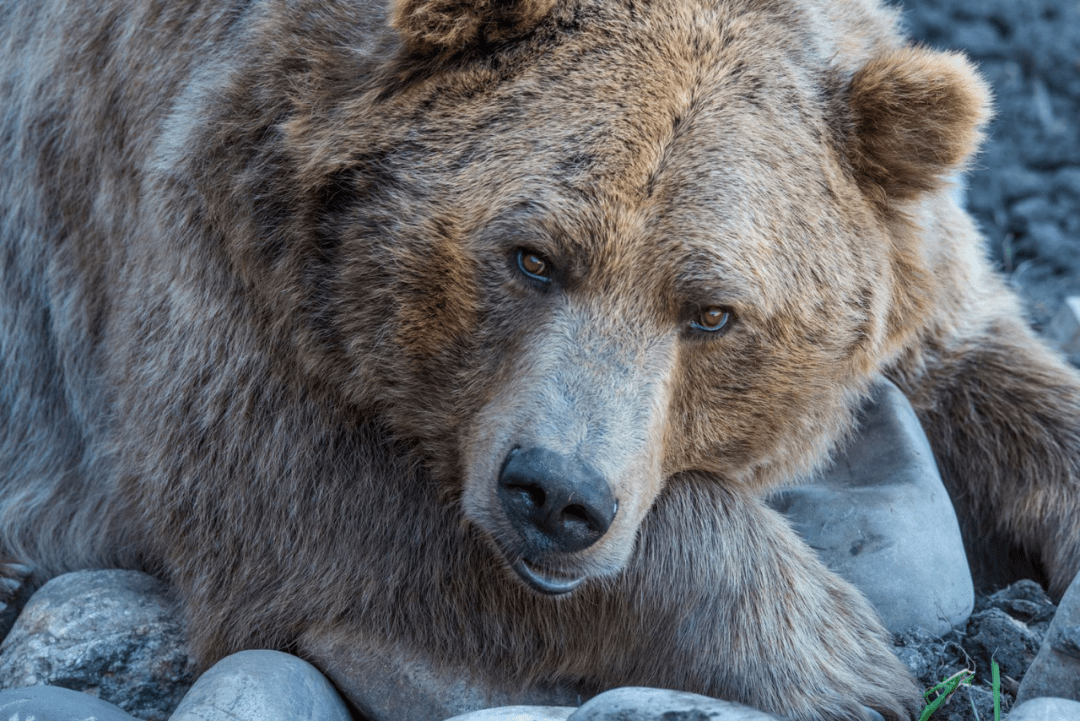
[{"x": 263, "y": 332}]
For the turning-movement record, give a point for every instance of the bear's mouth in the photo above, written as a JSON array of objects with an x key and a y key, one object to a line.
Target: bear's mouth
[{"x": 543, "y": 580}]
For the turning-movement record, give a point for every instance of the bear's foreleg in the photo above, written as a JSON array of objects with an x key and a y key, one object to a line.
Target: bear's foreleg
[
  {"x": 1002, "y": 412},
  {"x": 744, "y": 610}
]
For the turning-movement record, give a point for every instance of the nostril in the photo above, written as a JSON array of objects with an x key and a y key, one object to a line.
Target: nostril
[
  {"x": 578, "y": 514},
  {"x": 532, "y": 496}
]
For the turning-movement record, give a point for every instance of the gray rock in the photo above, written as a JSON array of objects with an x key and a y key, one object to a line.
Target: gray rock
[
  {"x": 1067, "y": 180},
  {"x": 1046, "y": 709},
  {"x": 1018, "y": 183},
  {"x": 112, "y": 634},
  {"x": 52, "y": 703},
  {"x": 653, "y": 704},
  {"x": 1051, "y": 242},
  {"x": 519, "y": 713},
  {"x": 881, "y": 518},
  {"x": 1034, "y": 209},
  {"x": 15, "y": 590},
  {"x": 262, "y": 686},
  {"x": 1056, "y": 669},
  {"x": 979, "y": 35},
  {"x": 1064, "y": 330},
  {"x": 993, "y": 634},
  {"x": 1025, "y": 601}
]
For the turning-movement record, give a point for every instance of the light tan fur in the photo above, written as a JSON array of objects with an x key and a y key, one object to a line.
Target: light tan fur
[{"x": 263, "y": 330}]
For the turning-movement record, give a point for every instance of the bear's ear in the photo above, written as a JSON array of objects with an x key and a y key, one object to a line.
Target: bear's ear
[
  {"x": 916, "y": 116},
  {"x": 447, "y": 26}
]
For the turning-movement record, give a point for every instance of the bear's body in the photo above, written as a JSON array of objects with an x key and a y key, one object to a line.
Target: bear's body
[{"x": 355, "y": 322}]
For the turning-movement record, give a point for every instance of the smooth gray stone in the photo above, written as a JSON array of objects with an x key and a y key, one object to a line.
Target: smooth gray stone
[
  {"x": 1045, "y": 709},
  {"x": 1056, "y": 669},
  {"x": 654, "y": 704},
  {"x": 52, "y": 703},
  {"x": 518, "y": 713},
  {"x": 113, "y": 634},
  {"x": 880, "y": 517},
  {"x": 262, "y": 686}
]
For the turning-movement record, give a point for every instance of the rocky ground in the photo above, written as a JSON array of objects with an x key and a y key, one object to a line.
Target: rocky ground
[
  {"x": 1024, "y": 190},
  {"x": 1008, "y": 626}
]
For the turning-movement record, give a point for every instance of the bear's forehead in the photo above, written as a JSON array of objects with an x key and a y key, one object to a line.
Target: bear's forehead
[
  {"x": 685, "y": 102},
  {"x": 690, "y": 137}
]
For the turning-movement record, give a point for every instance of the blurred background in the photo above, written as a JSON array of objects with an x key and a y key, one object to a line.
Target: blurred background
[{"x": 1024, "y": 188}]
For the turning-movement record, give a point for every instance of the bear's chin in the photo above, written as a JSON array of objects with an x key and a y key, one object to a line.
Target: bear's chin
[{"x": 543, "y": 580}]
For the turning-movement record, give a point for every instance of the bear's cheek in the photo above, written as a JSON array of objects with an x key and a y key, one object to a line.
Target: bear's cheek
[{"x": 759, "y": 409}]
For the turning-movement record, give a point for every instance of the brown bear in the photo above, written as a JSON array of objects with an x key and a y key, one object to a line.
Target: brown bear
[{"x": 472, "y": 333}]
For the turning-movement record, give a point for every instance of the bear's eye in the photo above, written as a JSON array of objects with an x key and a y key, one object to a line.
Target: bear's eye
[
  {"x": 712, "y": 319},
  {"x": 533, "y": 265}
]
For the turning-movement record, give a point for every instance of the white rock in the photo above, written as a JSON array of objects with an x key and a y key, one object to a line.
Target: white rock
[
  {"x": 519, "y": 713},
  {"x": 1046, "y": 709},
  {"x": 654, "y": 704},
  {"x": 52, "y": 703},
  {"x": 262, "y": 686}
]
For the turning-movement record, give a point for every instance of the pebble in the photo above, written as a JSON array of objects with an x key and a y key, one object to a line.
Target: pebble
[
  {"x": 980, "y": 36},
  {"x": 262, "y": 686},
  {"x": 1064, "y": 329},
  {"x": 1056, "y": 669},
  {"x": 518, "y": 713},
  {"x": 994, "y": 634},
  {"x": 1046, "y": 709},
  {"x": 881, "y": 518},
  {"x": 652, "y": 704},
  {"x": 52, "y": 703},
  {"x": 1018, "y": 183},
  {"x": 15, "y": 593},
  {"x": 1050, "y": 241}
]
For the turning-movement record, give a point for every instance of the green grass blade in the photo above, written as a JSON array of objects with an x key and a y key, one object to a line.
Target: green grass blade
[
  {"x": 944, "y": 689},
  {"x": 996, "y": 673}
]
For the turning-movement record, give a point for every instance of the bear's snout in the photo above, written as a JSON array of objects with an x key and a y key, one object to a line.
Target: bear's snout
[{"x": 555, "y": 502}]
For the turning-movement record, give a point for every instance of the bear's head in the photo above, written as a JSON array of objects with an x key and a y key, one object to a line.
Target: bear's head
[{"x": 572, "y": 251}]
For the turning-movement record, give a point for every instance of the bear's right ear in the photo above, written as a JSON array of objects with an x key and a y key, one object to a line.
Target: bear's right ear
[
  {"x": 448, "y": 26},
  {"x": 916, "y": 117}
]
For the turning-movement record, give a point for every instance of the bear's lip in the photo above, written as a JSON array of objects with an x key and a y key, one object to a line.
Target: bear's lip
[{"x": 543, "y": 580}]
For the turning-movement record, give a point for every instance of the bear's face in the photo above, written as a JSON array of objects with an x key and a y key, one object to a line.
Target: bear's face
[{"x": 634, "y": 244}]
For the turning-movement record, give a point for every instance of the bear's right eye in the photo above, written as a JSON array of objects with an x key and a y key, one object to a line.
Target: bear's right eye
[{"x": 534, "y": 265}]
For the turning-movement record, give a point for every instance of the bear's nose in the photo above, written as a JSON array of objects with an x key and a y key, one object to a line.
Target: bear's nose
[{"x": 565, "y": 500}]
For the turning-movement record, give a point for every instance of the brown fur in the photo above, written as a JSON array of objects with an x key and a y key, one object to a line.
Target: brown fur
[{"x": 264, "y": 335}]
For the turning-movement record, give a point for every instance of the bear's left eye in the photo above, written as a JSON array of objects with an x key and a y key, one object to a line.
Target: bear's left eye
[
  {"x": 712, "y": 319},
  {"x": 534, "y": 265}
]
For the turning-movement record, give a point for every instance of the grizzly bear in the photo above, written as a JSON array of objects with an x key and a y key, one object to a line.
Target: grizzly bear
[{"x": 469, "y": 335}]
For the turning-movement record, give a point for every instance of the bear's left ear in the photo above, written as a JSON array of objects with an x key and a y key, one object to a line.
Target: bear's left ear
[
  {"x": 916, "y": 116},
  {"x": 448, "y": 26}
]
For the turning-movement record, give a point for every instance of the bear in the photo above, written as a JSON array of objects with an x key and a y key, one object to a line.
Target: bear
[{"x": 470, "y": 336}]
